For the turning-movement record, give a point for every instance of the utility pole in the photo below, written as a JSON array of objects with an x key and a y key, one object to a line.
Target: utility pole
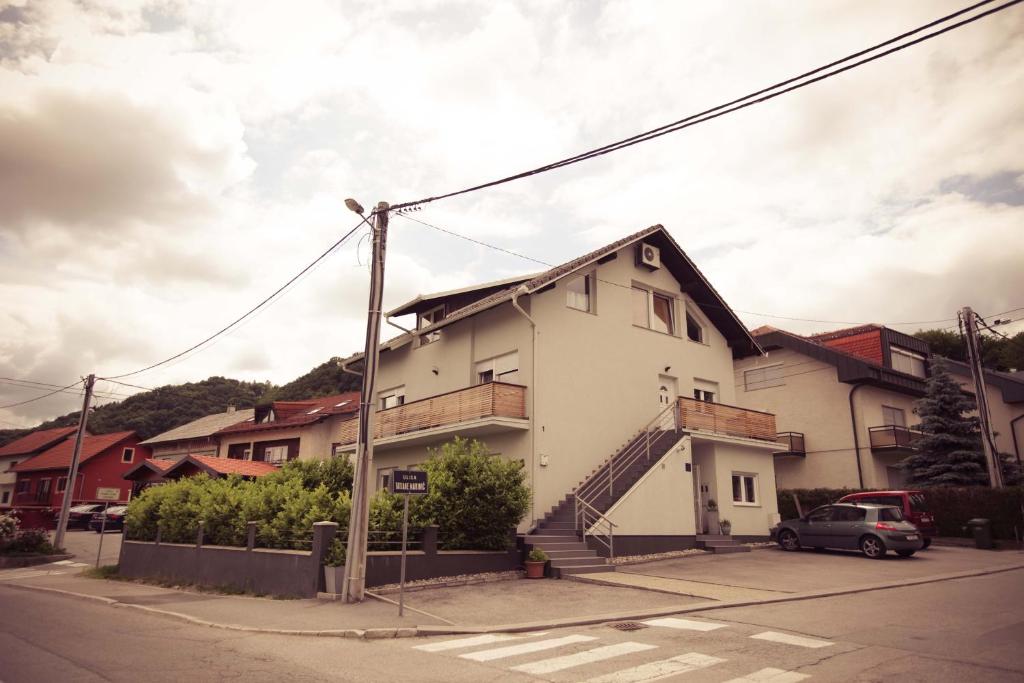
[
  {"x": 69, "y": 486},
  {"x": 978, "y": 373},
  {"x": 358, "y": 525}
]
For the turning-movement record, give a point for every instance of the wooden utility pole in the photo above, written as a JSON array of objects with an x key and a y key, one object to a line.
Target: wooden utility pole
[
  {"x": 358, "y": 526},
  {"x": 981, "y": 397},
  {"x": 69, "y": 487}
]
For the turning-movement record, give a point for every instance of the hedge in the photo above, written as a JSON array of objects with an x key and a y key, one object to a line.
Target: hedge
[{"x": 951, "y": 506}]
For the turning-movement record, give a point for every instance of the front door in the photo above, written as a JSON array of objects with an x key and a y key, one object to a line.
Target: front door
[
  {"x": 668, "y": 391},
  {"x": 698, "y": 500}
]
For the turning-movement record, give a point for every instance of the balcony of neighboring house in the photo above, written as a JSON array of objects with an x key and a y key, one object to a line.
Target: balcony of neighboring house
[
  {"x": 725, "y": 420},
  {"x": 475, "y": 411},
  {"x": 791, "y": 443},
  {"x": 892, "y": 438}
]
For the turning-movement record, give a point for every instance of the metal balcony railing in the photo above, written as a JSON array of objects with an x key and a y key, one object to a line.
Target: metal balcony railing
[
  {"x": 892, "y": 437},
  {"x": 792, "y": 443}
]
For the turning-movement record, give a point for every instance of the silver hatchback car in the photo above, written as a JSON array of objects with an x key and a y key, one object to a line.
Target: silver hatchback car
[{"x": 873, "y": 529}]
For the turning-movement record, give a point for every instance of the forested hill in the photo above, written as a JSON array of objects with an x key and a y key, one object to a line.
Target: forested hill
[{"x": 149, "y": 413}]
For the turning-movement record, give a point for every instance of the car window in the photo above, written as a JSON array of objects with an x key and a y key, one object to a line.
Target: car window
[
  {"x": 850, "y": 514},
  {"x": 895, "y": 501},
  {"x": 918, "y": 502},
  {"x": 890, "y": 515},
  {"x": 822, "y": 514}
]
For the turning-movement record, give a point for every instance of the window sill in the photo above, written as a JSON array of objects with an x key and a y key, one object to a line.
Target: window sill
[
  {"x": 648, "y": 329},
  {"x": 580, "y": 310},
  {"x": 745, "y": 505}
]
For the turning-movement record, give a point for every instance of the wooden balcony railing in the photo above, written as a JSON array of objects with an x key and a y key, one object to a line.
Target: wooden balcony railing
[
  {"x": 494, "y": 399},
  {"x": 893, "y": 437},
  {"x": 723, "y": 419},
  {"x": 792, "y": 443}
]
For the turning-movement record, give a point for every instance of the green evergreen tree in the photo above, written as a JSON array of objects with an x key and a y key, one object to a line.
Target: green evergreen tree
[{"x": 949, "y": 453}]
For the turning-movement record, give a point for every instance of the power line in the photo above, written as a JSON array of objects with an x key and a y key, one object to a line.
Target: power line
[
  {"x": 60, "y": 390},
  {"x": 762, "y": 95},
  {"x": 31, "y": 384},
  {"x": 126, "y": 384},
  {"x": 1009, "y": 339},
  {"x": 39, "y": 398},
  {"x": 248, "y": 313}
]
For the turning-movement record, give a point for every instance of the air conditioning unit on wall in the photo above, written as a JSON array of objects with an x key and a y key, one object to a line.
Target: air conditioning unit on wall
[{"x": 648, "y": 256}]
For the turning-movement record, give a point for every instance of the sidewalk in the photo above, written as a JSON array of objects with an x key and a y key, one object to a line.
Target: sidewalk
[{"x": 641, "y": 591}]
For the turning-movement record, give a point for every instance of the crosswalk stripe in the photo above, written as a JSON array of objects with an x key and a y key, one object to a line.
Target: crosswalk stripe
[
  {"x": 473, "y": 641},
  {"x": 656, "y": 671},
  {"x": 63, "y": 562},
  {"x": 770, "y": 675},
  {"x": 776, "y": 637},
  {"x": 525, "y": 648},
  {"x": 685, "y": 624},
  {"x": 598, "y": 654}
]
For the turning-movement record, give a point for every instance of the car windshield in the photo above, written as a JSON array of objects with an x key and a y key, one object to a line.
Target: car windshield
[
  {"x": 116, "y": 510},
  {"x": 83, "y": 508},
  {"x": 890, "y": 515},
  {"x": 918, "y": 502}
]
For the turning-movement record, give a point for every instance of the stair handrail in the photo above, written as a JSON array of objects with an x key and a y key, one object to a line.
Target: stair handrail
[
  {"x": 587, "y": 518},
  {"x": 640, "y": 445}
]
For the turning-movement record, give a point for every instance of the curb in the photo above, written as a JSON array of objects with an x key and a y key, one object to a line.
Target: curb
[{"x": 409, "y": 632}]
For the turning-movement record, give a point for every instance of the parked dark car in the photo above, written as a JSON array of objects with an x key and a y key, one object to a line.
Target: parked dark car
[
  {"x": 873, "y": 529},
  {"x": 913, "y": 504},
  {"x": 80, "y": 515},
  {"x": 115, "y": 519}
]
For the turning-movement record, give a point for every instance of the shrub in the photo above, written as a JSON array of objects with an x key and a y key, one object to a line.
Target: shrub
[
  {"x": 29, "y": 541},
  {"x": 8, "y": 528},
  {"x": 809, "y": 499}
]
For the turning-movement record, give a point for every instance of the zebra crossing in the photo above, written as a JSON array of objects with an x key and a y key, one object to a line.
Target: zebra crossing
[{"x": 647, "y": 661}]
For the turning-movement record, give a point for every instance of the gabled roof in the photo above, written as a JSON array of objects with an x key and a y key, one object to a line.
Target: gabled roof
[
  {"x": 425, "y": 302},
  {"x": 37, "y": 441},
  {"x": 59, "y": 456},
  {"x": 151, "y": 465},
  {"x": 300, "y": 413},
  {"x": 203, "y": 427},
  {"x": 218, "y": 467}
]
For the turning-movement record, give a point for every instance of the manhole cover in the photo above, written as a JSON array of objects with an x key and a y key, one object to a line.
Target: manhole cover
[{"x": 629, "y": 626}]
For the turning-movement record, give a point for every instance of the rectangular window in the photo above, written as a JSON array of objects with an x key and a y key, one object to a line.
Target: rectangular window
[
  {"x": 907, "y": 361},
  {"x": 579, "y": 293},
  {"x": 127, "y": 455},
  {"x": 641, "y": 316},
  {"x": 662, "y": 309},
  {"x": 239, "y": 451},
  {"x": 43, "y": 491},
  {"x": 763, "y": 378},
  {"x": 653, "y": 311},
  {"x": 6, "y": 498},
  {"x": 62, "y": 483},
  {"x": 275, "y": 455},
  {"x": 694, "y": 331},
  {"x": 391, "y": 398},
  {"x": 426, "y": 319},
  {"x": 704, "y": 390},
  {"x": 744, "y": 489},
  {"x": 893, "y": 417},
  {"x": 384, "y": 477},
  {"x": 503, "y": 368},
  {"x": 24, "y": 485}
]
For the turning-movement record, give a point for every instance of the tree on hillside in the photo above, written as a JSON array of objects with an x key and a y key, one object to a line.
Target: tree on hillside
[
  {"x": 949, "y": 453},
  {"x": 325, "y": 379},
  {"x": 996, "y": 353}
]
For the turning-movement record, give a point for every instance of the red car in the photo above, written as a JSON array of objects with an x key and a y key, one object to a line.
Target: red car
[{"x": 912, "y": 503}]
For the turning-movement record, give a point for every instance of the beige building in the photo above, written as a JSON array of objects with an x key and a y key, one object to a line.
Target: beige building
[
  {"x": 844, "y": 403},
  {"x": 609, "y": 378}
]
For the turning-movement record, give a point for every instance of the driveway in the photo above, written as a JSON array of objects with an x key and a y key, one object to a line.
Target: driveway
[{"x": 84, "y": 544}]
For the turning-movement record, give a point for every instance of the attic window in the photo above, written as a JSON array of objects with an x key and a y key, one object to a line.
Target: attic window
[
  {"x": 908, "y": 362},
  {"x": 428, "y": 318},
  {"x": 694, "y": 331},
  {"x": 579, "y": 293}
]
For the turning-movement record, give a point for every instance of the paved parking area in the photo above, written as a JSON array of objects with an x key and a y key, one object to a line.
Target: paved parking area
[{"x": 84, "y": 544}]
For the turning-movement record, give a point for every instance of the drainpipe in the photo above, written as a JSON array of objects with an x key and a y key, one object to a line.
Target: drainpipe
[
  {"x": 520, "y": 291},
  {"x": 856, "y": 439},
  {"x": 1013, "y": 433}
]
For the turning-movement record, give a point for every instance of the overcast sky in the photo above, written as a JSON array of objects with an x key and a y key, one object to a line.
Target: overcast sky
[{"x": 164, "y": 165}]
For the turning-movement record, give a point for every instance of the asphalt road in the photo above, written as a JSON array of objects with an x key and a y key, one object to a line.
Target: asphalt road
[
  {"x": 967, "y": 629},
  {"x": 84, "y": 544}
]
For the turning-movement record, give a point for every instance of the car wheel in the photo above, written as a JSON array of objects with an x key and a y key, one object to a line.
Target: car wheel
[
  {"x": 789, "y": 541},
  {"x": 905, "y": 553},
  {"x": 872, "y": 547},
  {"x": 927, "y": 542}
]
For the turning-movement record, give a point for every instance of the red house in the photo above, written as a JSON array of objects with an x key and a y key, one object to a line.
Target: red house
[
  {"x": 22, "y": 449},
  {"x": 42, "y": 481}
]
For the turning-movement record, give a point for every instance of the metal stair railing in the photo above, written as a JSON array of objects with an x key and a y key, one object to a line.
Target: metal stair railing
[
  {"x": 588, "y": 518},
  {"x": 638, "y": 447}
]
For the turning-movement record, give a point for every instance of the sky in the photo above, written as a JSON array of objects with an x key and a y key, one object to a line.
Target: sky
[{"x": 165, "y": 165}]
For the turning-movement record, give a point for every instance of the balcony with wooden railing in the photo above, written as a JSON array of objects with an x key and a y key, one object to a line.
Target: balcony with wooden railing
[
  {"x": 484, "y": 408},
  {"x": 719, "y": 418}
]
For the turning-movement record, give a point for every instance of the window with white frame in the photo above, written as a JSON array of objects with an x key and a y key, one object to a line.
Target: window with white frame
[
  {"x": 704, "y": 390},
  {"x": 426, "y": 319},
  {"x": 744, "y": 489},
  {"x": 275, "y": 455},
  {"x": 127, "y": 455},
  {"x": 907, "y": 361},
  {"x": 384, "y": 477},
  {"x": 694, "y": 330},
  {"x": 653, "y": 310},
  {"x": 579, "y": 293},
  {"x": 893, "y": 417},
  {"x": 763, "y": 378},
  {"x": 503, "y": 368},
  {"x": 391, "y": 398}
]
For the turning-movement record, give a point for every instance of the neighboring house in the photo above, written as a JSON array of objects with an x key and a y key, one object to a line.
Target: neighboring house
[
  {"x": 42, "y": 480},
  {"x": 559, "y": 371},
  {"x": 286, "y": 430},
  {"x": 196, "y": 437},
  {"x": 22, "y": 449},
  {"x": 215, "y": 467},
  {"x": 149, "y": 472},
  {"x": 844, "y": 403}
]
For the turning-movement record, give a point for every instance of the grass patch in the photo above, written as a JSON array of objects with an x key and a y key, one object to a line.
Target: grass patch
[{"x": 107, "y": 571}]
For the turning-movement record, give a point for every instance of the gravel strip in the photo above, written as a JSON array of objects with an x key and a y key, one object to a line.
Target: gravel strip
[
  {"x": 450, "y": 581},
  {"x": 637, "y": 559}
]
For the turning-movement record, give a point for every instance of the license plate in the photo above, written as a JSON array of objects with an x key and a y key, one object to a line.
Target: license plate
[{"x": 912, "y": 537}]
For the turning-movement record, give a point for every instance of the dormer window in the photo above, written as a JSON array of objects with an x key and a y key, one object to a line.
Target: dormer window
[
  {"x": 579, "y": 293},
  {"x": 694, "y": 331},
  {"x": 426, "y": 319},
  {"x": 907, "y": 361}
]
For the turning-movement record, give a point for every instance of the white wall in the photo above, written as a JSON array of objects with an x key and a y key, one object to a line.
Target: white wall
[
  {"x": 661, "y": 502},
  {"x": 747, "y": 520}
]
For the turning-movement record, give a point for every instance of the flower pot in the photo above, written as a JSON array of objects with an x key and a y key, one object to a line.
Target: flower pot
[
  {"x": 726, "y": 529},
  {"x": 333, "y": 579},
  {"x": 534, "y": 570}
]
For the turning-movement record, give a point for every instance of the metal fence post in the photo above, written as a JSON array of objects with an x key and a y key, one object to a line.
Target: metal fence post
[
  {"x": 429, "y": 544},
  {"x": 323, "y": 534},
  {"x": 200, "y": 533},
  {"x": 250, "y": 535}
]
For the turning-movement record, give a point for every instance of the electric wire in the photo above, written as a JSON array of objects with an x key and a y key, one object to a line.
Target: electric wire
[
  {"x": 997, "y": 332},
  {"x": 39, "y": 398},
  {"x": 760, "y": 96}
]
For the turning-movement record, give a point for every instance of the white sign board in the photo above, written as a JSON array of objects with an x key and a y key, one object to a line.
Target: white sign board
[{"x": 108, "y": 493}]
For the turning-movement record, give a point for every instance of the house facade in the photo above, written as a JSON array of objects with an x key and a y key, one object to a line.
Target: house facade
[
  {"x": 844, "y": 403},
  {"x": 623, "y": 356},
  {"x": 42, "y": 480},
  {"x": 21, "y": 450},
  {"x": 198, "y": 437}
]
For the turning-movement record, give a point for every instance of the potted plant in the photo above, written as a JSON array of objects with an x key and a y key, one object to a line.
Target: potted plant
[
  {"x": 726, "y": 527},
  {"x": 535, "y": 562},
  {"x": 711, "y": 518},
  {"x": 334, "y": 567}
]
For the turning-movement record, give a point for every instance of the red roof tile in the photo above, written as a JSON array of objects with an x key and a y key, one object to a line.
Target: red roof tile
[
  {"x": 246, "y": 468},
  {"x": 299, "y": 413},
  {"x": 36, "y": 441},
  {"x": 59, "y": 457}
]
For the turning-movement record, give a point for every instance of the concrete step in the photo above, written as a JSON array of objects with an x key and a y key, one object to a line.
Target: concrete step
[
  {"x": 545, "y": 539},
  {"x": 713, "y": 537},
  {"x": 547, "y": 531},
  {"x": 553, "y": 524},
  {"x": 718, "y": 544},
  {"x": 570, "y": 554},
  {"x": 575, "y": 562},
  {"x": 560, "y": 547},
  {"x": 558, "y": 572},
  {"x": 722, "y": 550}
]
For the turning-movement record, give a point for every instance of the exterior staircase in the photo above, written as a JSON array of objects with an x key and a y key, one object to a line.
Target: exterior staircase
[{"x": 720, "y": 544}]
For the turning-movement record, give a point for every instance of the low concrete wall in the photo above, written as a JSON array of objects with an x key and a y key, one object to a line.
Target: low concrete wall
[
  {"x": 430, "y": 563},
  {"x": 643, "y": 545}
]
